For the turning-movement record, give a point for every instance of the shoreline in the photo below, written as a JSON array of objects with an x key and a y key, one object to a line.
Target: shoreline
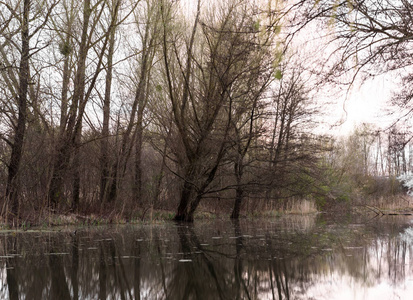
[{"x": 53, "y": 220}]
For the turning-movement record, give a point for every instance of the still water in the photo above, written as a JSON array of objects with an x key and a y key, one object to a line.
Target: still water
[{"x": 300, "y": 257}]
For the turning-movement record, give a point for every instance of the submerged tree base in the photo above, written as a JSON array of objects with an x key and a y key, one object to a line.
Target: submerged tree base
[{"x": 184, "y": 218}]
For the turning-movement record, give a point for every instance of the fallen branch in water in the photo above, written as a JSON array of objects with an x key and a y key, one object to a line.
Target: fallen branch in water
[
  {"x": 374, "y": 209},
  {"x": 378, "y": 211}
]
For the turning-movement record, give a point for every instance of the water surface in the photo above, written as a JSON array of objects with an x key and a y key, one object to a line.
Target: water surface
[{"x": 299, "y": 257}]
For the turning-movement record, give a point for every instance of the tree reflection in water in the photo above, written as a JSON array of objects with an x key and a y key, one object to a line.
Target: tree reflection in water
[
  {"x": 11, "y": 268},
  {"x": 271, "y": 259},
  {"x": 59, "y": 288}
]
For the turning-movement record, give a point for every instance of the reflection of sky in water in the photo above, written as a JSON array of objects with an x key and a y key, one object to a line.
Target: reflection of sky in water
[
  {"x": 407, "y": 235},
  {"x": 346, "y": 289},
  {"x": 381, "y": 279}
]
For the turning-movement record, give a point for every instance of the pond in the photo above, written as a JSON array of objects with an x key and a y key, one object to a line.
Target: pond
[{"x": 296, "y": 257}]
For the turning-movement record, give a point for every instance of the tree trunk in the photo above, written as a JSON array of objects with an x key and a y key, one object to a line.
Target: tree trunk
[
  {"x": 142, "y": 99},
  {"x": 76, "y": 170},
  {"x": 238, "y": 201},
  {"x": 183, "y": 213},
  {"x": 66, "y": 81},
  {"x": 191, "y": 197},
  {"x": 17, "y": 146},
  {"x": 138, "y": 159},
  {"x": 239, "y": 165},
  {"x": 156, "y": 199},
  {"x": 238, "y": 169},
  {"x": 60, "y": 165},
  {"x": 104, "y": 147},
  {"x": 113, "y": 185}
]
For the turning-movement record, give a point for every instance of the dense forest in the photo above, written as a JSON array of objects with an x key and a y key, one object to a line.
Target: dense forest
[{"x": 117, "y": 107}]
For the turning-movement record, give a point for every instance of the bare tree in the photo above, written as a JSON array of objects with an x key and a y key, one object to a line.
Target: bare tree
[
  {"x": 249, "y": 110},
  {"x": 132, "y": 136},
  {"x": 366, "y": 38},
  {"x": 211, "y": 76},
  {"x": 18, "y": 84},
  {"x": 291, "y": 148},
  {"x": 20, "y": 127},
  {"x": 150, "y": 40},
  {"x": 69, "y": 137},
  {"x": 104, "y": 147}
]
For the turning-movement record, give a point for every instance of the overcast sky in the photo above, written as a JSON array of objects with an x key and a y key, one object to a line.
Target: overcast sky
[{"x": 366, "y": 103}]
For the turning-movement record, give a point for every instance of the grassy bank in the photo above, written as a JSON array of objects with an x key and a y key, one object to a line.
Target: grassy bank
[{"x": 47, "y": 219}]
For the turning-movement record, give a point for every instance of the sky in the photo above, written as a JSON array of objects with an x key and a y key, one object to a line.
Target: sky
[{"x": 366, "y": 103}]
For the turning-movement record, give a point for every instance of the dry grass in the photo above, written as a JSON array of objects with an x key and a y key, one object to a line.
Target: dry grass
[
  {"x": 300, "y": 206},
  {"x": 399, "y": 202},
  {"x": 293, "y": 207}
]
